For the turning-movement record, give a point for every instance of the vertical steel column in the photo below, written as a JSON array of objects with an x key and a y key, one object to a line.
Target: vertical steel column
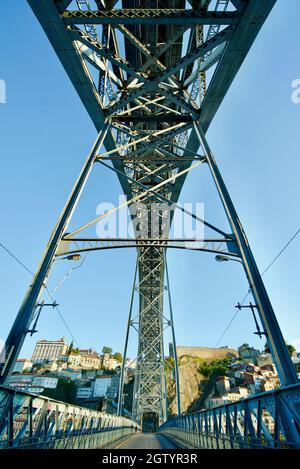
[
  {"x": 285, "y": 367},
  {"x": 22, "y": 322},
  {"x": 121, "y": 385},
  {"x": 177, "y": 382}
]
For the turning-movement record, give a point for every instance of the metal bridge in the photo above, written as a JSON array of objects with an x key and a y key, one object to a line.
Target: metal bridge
[{"x": 151, "y": 75}]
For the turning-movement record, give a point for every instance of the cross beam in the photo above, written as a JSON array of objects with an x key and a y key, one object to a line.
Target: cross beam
[{"x": 153, "y": 16}]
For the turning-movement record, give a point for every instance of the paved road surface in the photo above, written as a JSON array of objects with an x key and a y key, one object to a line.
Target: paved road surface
[{"x": 147, "y": 441}]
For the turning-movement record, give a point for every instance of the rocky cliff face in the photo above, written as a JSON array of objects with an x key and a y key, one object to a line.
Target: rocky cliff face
[
  {"x": 190, "y": 384},
  {"x": 194, "y": 387}
]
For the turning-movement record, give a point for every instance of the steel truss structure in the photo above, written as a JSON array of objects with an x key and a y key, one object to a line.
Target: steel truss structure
[
  {"x": 265, "y": 421},
  {"x": 31, "y": 421},
  {"x": 151, "y": 75}
]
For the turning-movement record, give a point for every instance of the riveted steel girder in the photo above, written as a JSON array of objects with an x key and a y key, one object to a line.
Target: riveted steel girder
[
  {"x": 148, "y": 82},
  {"x": 151, "y": 16}
]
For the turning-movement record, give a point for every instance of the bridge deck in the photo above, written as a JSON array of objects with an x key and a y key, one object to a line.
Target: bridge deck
[{"x": 147, "y": 441}]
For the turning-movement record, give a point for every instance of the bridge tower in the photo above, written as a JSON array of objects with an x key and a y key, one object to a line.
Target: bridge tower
[{"x": 162, "y": 69}]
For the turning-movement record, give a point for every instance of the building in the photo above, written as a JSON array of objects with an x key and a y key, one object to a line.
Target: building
[
  {"x": 248, "y": 378},
  {"x": 105, "y": 360},
  {"x": 73, "y": 375},
  {"x": 233, "y": 395},
  {"x": 32, "y": 383},
  {"x": 52, "y": 366},
  {"x": 248, "y": 353},
  {"x": 269, "y": 384},
  {"x": 222, "y": 384},
  {"x": 108, "y": 362},
  {"x": 130, "y": 364},
  {"x": 90, "y": 359},
  {"x": 106, "y": 385},
  {"x": 49, "y": 350},
  {"x": 22, "y": 364},
  {"x": 85, "y": 358},
  {"x": 84, "y": 393},
  {"x": 20, "y": 382},
  {"x": 264, "y": 359},
  {"x": 113, "y": 364},
  {"x": 296, "y": 358},
  {"x": 48, "y": 382}
]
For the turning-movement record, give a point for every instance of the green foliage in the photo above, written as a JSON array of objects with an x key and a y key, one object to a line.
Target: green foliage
[
  {"x": 169, "y": 363},
  {"x": 215, "y": 367},
  {"x": 291, "y": 349},
  {"x": 70, "y": 348},
  {"x": 118, "y": 356},
  {"x": 38, "y": 367},
  {"x": 107, "y": 350}
]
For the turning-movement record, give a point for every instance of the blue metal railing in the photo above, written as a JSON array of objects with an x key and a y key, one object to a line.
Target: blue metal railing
[
  {"x": 266, "y": 420},
  {"x": 31, "y": 421}
]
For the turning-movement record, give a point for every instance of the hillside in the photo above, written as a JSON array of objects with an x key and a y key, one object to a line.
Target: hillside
[{"x": 198, "y": 367}]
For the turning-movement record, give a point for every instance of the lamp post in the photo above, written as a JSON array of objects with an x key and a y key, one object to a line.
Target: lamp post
[
  {"x": 222, "y": 258},
  {"x": 285, "y": 367}
]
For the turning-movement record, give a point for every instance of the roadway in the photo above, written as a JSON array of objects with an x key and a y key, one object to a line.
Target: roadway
[{"x": 147, "y": 441}]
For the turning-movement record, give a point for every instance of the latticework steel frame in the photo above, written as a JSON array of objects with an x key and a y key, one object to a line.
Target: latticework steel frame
[{"x": 152, "y": 104}]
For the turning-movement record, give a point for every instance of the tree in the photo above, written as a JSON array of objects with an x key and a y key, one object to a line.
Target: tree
[
  {"x": 118, "y": 356},
  {"x": 65, "y": 391},
  {"x": 70, "y": 349},
  {"x": 291, "y": 349},
  {"x": 107, "y": 350}
]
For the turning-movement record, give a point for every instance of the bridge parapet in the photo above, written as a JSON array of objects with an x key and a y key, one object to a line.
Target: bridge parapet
[
  {"x": 32, "y": 421},
  {"x": 266, "y": 420}
]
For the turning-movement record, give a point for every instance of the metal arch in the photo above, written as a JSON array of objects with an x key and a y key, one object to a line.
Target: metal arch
[
  {"x": 24, "y": 318},
  {"x": 160, "y": 81},
  {"x": 157, "y": 244}
]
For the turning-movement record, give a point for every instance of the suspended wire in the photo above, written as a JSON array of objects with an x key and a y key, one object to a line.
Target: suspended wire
[
  {"x": 60, "y": 282},
  {"x": 249, "y": 291},
  {"x": 233, "y": 318},
  {"x": 281, "y": 252},
  {"x": 74, "y": 268},
  {"x": 16, "y": 259},
  {"x": 61, "y": 316},
  {"x": 49, "y": 293}
]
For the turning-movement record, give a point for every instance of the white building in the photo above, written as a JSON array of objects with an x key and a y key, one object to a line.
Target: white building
[
  {"x": 264, "y": 359},
  {"x": 32, "y": 383},
  {"x": 231, "y": 396},
  {"x": 45, "y": 382},
  {"x": 86, "y": 359},
  {"x": 130, "y": 363},
  {"x": 84, "y": 393},
  {"x": 106, "y": 385},
  {"x": 49, "y": 350},
  {"x": 22, "y": 364},
  {"x": 72, "y": 374},
  {"x": 296, "y": 358}
]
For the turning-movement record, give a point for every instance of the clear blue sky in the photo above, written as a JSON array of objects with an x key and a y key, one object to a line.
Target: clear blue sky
[{"x": 45, "y": 135}]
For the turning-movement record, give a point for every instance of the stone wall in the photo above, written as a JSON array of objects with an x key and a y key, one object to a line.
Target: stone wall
[{"x": 206, "y": 353}]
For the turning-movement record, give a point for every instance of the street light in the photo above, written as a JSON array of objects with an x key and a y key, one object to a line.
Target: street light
[
  {"x": 222, "y": 258},
  {"x": 72, "y": 257}
]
